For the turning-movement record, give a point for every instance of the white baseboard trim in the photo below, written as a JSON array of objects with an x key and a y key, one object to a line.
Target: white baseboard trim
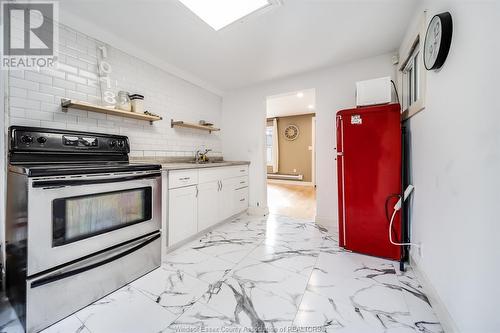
[
  {"x": 289, "y": 182},
  {"x": 442, "y": 313},
  {"x": 329, "y": 223},
  {"x": 260, "y": 211}
]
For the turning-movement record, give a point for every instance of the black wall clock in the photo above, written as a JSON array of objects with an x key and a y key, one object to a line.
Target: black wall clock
[{"x": 438, "y": 41}]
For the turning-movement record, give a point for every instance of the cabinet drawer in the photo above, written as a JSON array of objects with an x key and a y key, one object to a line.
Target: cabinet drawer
[
  {"x": 236, "y": 171},
  {"x": 241, "y": 182},
  {"x": 240, "y": 200},
  {"x": 211, "y": 174},
  {"x": 182, "y": 178},
  {"x": 241, "y": 170}
]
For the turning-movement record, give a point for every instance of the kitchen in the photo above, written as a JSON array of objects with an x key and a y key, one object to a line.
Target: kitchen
[{"x": 134, "y": 185}]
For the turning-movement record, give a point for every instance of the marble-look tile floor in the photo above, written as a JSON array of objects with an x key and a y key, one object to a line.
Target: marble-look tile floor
[{"x": 261, "y": 274}]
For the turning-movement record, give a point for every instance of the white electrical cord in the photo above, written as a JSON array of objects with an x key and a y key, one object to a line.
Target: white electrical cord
[
  {"x": 397, "y": 207},
  {"x": 390, "y": 233}
]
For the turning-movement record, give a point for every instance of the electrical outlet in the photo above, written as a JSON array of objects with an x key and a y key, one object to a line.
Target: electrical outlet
[{"x": 294, "y": 170}]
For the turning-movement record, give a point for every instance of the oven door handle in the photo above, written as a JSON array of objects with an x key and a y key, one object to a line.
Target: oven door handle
[
  {"x": 77, "y": 182},
  {"x": 59, "y": 276}
]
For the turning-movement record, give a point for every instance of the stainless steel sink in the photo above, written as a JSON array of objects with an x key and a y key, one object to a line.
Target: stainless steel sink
[{"x": 209, "y": 162}]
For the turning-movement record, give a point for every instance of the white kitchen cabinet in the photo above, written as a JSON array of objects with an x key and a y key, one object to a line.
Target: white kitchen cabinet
[
  {"x": 208, "y": 204},
  {"x": 182, "y": 214},
  {"x": 199, "y": 199}
]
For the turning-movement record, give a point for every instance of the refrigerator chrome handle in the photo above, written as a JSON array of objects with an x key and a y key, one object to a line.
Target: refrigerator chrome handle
[{"x": 340, "y": 153}]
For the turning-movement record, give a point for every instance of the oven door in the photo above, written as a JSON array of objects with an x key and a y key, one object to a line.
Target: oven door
[{"x": 73, "y": 217}]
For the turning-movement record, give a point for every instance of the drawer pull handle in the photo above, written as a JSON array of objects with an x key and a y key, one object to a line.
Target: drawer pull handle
[
  {"x": 242, "y": 182},
  {"x": 185, "y": 178},
  {"x": 242, "y": 199},
  {"x": 242, "y": 170}
]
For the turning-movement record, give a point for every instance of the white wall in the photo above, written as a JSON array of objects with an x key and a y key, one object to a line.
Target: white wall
[
  {"x": 244, "y": 114},
  {"x": 456, "y": 164}
]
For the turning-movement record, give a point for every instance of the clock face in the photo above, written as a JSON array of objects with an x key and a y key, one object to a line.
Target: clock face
[
  {"x": 291, "y": 132},
  {"x": 433, "y": 42},
  {"x": 438, "y": 41}
]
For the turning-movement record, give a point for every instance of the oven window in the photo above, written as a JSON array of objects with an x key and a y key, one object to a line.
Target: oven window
[{"x": 76, "y": 218}]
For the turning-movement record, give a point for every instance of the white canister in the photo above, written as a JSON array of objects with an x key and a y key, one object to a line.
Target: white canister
[{"x": 137, "y": 102}]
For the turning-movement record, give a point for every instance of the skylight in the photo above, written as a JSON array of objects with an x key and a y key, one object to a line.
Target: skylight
[{"x": 221, "y": 13}]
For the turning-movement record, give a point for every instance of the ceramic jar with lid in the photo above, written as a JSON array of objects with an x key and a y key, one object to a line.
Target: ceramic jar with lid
[{"x": 137, "y": 102}]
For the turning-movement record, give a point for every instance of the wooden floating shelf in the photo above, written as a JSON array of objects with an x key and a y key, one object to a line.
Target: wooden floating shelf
[
  {"x": 68, "y": 103},
  {"x": 184, "y": 124}
]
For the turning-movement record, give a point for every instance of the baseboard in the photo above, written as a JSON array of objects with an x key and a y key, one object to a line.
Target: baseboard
[
  {"x": 442, "y": 313},
  {"x": 260, "y": 211},
  {"x": 289, "y": 182},
  {"x": 326, "y": 222}
]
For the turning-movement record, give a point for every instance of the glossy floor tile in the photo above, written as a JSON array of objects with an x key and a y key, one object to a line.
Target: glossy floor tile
[{"x": 260, "y": 274}]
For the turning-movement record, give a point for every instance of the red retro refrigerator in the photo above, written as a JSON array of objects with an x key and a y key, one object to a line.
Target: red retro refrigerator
[{"x": 369, "y": 178}]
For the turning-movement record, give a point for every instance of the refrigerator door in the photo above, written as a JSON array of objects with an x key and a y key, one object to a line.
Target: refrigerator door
[{"x": 369, "y": 164}]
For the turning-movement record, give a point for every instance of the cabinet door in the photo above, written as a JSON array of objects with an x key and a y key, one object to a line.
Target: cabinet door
[
  {"x": 208, "y": 204},
  {"x": 182, "y": 214},
  {"x": 226, "y": 203}
]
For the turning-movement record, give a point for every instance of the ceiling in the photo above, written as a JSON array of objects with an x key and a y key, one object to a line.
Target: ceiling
[
  {"x": 292, "y": 103},
  {"x": 299, "y": 36}
]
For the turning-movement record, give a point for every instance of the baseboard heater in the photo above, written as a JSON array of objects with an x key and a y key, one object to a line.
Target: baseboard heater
[{"x": 284, "y": 177}]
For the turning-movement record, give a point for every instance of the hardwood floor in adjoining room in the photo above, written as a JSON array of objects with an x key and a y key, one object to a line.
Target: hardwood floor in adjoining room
[{"x": 292, "y": 200}]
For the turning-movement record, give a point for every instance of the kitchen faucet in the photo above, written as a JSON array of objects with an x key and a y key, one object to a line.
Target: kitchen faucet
[{"x": 202, "y": 157}]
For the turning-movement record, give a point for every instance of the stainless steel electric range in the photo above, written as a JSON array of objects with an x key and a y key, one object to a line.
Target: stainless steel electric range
[{"x": 81, "y": 221}]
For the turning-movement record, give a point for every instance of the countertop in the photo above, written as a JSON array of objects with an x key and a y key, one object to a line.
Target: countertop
[{"x": 181, "y": 164}]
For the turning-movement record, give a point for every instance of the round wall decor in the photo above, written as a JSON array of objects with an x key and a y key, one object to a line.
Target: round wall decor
[
  {"x": 438, "y": 41},
  {"x": 291, "y": 132}
]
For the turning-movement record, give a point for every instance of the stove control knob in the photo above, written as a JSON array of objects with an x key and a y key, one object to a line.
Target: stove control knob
[
  {"x": 42, "y": 139},
  {"x": 27, "y": 139},
  {"x": 112, "y": 143},
  {"x": 121, "y": 144}
]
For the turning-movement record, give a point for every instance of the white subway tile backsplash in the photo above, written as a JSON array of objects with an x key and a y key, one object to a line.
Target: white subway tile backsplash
[
  {"x": 34, "y": 99},
  {"x": 37, "y": 77},
  {"x": 42, "y": 97},
  {"x": 18, "y": 92},
  {"x": 61, "y": 83},
  {"x": 50, "y": 107},
  {"x": 66, "y": 68},
  {"x": 88, "y": 74},
  {"x": 76, "y": 95},
  {"x": 76, "y": 79},
  {"x": 65, "y": 118},
  {"x": 24, "y": 103},
  {"x": 16, "y": 73},
  {"x": 54, "y": 73},
  {"x": 86, "y": 89},
  {"x": 54, "y": 124},
  {"x": 87, "y": 121},
  {"x": 52, "y": 90},
  {"x": 39, "y": 115},
  {"x": 17, "y": 112},
  {"x": 21, "y": 83},
  {"x": 24, "y": 122},
  {"x": 96, "y": 115},
  {"x": 72, "y": 61}
]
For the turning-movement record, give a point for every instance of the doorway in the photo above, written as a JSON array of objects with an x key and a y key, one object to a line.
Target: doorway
[{"x": 290, "y": 154}]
